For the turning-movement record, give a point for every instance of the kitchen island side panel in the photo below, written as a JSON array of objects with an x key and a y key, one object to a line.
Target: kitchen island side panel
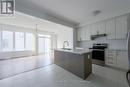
[{"x": 74, "y": 63}]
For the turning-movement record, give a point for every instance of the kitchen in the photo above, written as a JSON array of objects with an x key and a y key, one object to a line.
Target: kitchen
[
  {"x": 65, "y": 43},
  {"x": 116, "y": 30}
]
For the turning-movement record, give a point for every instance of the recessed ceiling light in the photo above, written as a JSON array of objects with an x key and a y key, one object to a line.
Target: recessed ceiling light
[{"x": 96, "y": 12}]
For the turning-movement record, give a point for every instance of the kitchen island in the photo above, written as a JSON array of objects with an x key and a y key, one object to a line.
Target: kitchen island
[{"x": 76, "y": 61}]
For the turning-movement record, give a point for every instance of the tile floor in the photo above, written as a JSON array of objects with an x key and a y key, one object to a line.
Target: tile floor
[
  {"x": 19, "y": 65},
  {"x": 55, "y": 76}
]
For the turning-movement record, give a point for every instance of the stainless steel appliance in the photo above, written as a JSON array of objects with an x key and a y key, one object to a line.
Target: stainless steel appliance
[
  {"x": 128, "y": 46},
  {"x": 98, "y": 53}
]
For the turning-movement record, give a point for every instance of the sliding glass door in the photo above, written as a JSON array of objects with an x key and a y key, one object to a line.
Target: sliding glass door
[{"x": 44, "y": 44}]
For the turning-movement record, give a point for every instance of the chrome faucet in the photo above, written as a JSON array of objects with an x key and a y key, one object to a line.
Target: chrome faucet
[{"x": 64, "y": 43}]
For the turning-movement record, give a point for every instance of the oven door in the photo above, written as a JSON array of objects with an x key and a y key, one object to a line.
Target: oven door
[{"x": 98, "y": 55}]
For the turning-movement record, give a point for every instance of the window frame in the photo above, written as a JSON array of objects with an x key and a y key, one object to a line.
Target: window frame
[
  {"x": 14, "y": 40},
  {"x": 23, "y": 41},
  {"x": 1, "y": 38},
  {"x": 25, "y": 45}
]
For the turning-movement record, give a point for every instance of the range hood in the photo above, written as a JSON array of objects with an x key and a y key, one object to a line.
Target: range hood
[{"x": 93, "y": 37}]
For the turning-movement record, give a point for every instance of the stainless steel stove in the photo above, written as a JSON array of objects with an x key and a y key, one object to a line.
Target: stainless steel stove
[{"x": 98, "y": 53}]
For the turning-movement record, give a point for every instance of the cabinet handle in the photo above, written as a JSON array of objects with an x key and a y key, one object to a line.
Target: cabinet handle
[
  {"x": 88, "y": 56},
  {"x": 80, "y": 39}
]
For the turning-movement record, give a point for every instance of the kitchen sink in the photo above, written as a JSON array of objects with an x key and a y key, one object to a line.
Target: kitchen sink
[{"x": 66, "y": 49}]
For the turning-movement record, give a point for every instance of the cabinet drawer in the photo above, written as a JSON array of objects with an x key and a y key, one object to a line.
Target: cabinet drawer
[
  {"x": 110, "y": 57},
  {"x": 110, "y": 61}
]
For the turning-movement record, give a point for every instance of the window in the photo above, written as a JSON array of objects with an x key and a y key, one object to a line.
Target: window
[
  {"x": 44, "y": 43},
  {"x": 7, "y": 41},
  {"x": 41, "y": 45},
  {"x": 29, "y": 41},
  {"x": 42, "y": 35},
  {"x": 19, "y": 41},
  {"x": 47, "y": 45},
  {"x": 0, "y": 40}
]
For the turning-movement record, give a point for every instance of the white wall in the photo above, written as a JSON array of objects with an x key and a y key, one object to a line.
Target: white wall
[
  {"x": 22, "y": 20},
  {"x": 15, "y": 54}
]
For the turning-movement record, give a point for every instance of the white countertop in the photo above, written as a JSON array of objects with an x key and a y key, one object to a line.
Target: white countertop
[
  {"x": 117, "y": 49},
  {"x": 76, "y": 51}
]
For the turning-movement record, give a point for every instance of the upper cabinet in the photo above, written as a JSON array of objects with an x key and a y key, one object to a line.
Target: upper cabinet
[
  {"x": 101, "y": 27},
  {"x": 88, "y": 32},
  {"x": 81, "y": 34},
  {"x": 78, "y": 34},
  {"x": 111, "y": 29},
  {"x": 115, "y": 28},
  {"x": 121, "y": 26},
  {"x": 98, "y": 28},
  {"x": 94, "y": 29}
]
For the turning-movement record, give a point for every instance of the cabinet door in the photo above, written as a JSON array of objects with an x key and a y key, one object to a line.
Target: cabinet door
[
  {"x": 88, "y": 32},
  {"x": 79, "y": 34},
  {"x": 121, "y": 27},
  {"x": 122, "y": 60},
  {"x": 111, "y": 29},
  {"x": 110, "y": 57},
  {"x": 101, "y": 27},
  {"x": 94, "y": 29},
  {"x": 83, "y": 34}
]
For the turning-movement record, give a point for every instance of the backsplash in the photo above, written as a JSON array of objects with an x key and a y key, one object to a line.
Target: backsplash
[{"x": 112, "y": 44}]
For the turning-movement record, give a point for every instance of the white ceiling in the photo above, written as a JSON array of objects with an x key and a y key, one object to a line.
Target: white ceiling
[{"x": 76, "y": 11}]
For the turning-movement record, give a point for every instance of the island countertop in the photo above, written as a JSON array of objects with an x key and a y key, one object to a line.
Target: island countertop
[
  {"x": 76, "y": 61},
  {"x": 76, "y": 51}
]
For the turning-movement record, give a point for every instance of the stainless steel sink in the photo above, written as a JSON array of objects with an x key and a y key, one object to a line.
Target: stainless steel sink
[{"x": 66, "y": 49}]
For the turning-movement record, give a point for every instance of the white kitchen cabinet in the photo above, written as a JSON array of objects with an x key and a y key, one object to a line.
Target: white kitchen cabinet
[
  {"x": 111, "y": 28},
  {"x": 98, "y": 28},
  {"x": 101, "y": 27},
  {"x": 84, "y": 33},
  {"x": 88, "y": 32},
  {"x": 81, "y": 34},
  {"x": 94, "y": 29},
  {"x": 115, "y": 28},
  {"x": 122, "y": 59},
  {"x": 110, "y": 57},
  {"x": 121, "y": 27},
  {"x": 116, "y": 58},
  {"x": 78, "y": 34}
]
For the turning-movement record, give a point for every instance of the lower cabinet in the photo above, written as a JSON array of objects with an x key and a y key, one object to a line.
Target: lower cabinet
[
  {"x": 117, "y": 58},
  {"x": 110, "y": 57},
  {"x": 122, "y": 60}
]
